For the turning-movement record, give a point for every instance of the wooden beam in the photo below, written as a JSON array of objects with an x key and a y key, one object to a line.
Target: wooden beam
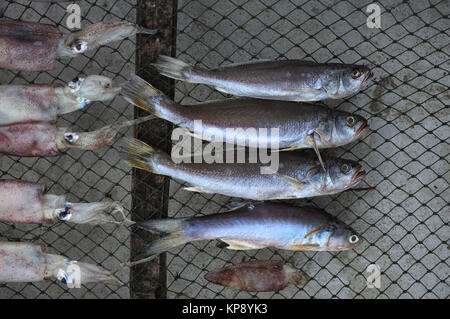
[{"x": 150, "y": 192}]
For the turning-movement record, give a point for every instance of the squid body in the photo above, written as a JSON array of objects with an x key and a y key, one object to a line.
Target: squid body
[
  {"x": 27, "y": 203},
  {"x": 30, "y": 46},
  {"x": 28, "y": 262},
  {"x": 44, "y": 102}
]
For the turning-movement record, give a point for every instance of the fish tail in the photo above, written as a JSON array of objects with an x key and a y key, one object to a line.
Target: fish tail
[
  {"x": 172, "y": 228},
  {"x": 162, "y": 226},
  {"x": 143, "y": 156},
  {"x": 139, "y": 92},
  {"x": 174, "y": 68}
]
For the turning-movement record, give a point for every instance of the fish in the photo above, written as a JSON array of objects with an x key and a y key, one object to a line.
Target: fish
[
  {"x": 30, "y": 46},
  {"x": 299, "y": 175},
  {"x": 297, "y": 122},
  {"x": 29, "y": 262},
  {"x": 299, "y": 125},
  {"x": 258, "y": 276},
  {"x": 23, "y": 202},
  {"x": 41, "y": 139},
  {"x": 254, "y": 226},
  {"x": 286, "y": 80},
  {"x": 44, "y": 102}
]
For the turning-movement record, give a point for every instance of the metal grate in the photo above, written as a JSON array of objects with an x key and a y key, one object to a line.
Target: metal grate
[
  {"x": 84, "y": 176},
  {"x": 404, "y": 222}
]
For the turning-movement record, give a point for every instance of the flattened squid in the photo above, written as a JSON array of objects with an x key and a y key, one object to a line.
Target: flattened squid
[
  {"x": 44, "y": 102},
  {"x": 46, "y": 139},
  {"x": 258, "y": 275},
  {"x": 28, "y": 262},
  {"x": 24, "y": 202},
  {"x": 30, "y": 46}
]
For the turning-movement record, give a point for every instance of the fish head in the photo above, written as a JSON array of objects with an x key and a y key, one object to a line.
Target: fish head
[
  {"x": 343, "y": 128},
  {"x": 341, "y": 174},
  {"x": 346, "y": 80},
  {"x": 342, "y": 237},
  {"x": 94, "y": 88}
]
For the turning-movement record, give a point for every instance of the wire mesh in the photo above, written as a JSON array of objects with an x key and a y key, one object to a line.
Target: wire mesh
[
  {"x": 404, "y": 222},
  {"x": 85, "y": 176}
]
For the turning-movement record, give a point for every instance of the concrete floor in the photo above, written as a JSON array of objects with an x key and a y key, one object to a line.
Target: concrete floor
[
  {"x": 84, "y": 176},
  {"x": 405, "y": 221}
]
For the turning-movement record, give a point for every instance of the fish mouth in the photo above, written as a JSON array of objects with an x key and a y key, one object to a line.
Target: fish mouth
[
  {"x": 359, "y": 175},
  {"x": 362, "y": 129},
  {"x": 366, "y": 79}
]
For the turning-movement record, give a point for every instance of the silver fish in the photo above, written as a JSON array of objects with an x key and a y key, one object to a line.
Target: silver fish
[
  {"x": 255, "y": 226},
  {"x": 299, "y": 174},
  {"x": 287, "y": 80},
  {"x": 300, "y": 125}
]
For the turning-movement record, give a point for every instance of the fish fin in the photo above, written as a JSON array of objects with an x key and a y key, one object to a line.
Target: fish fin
[
  {"x": 292, "y": 148},
  {"x": 172, "y": 228},
  {"x": 243, "y": 63},
  {"x": 314, "y": 231},
  {"x": 139, "y": 92},
  {"x": 162, "y": 245},
  {"x": 162, "y": 226},
  {"x": 196, "y": 189},
  {"x": 189, "y": 133},
  {"x": 300, "y": 247},
  {"x": 222, "y": 90},
  {"x": 173, "y": 68},
  {"x": 313, "y": 143},
  {"x": 291, "y": 180},
  {"x": 234, "y": 205},
  {"x": 142, "y": 156},
  {"x": 235, "y": 244}
]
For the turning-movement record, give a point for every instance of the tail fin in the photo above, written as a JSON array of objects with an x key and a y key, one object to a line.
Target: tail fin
[
  {"x": 141, "y": 93},
  {"x": 143, "y": 156},
  {"x": 172, "y": 228},
  {"x": 173, "y": 68},
  {"x": 162, "y": 226}
]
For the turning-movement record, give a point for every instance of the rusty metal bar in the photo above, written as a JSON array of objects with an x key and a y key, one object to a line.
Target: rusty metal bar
[{"x": 150, "y": 192}]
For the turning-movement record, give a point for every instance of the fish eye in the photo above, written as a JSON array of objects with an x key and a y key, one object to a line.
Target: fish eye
[
  {"x": 356, "y": 73},
  {"x": 71, "y": 137},
  {"x": 353, "y": 239},
  {"x": 345, "y": 168},
  {"x": 350, "y": 120}
]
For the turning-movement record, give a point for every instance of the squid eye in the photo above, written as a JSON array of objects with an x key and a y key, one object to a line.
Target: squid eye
[
  {"x": 71, "y": 137},
  {"x": 356, "y": 73},
  {"x": 79, "y": 47},
  {"x": 353, "y": 239},
  {"x": 345, "y": 168},
  {"x": 350, "y": 120}
]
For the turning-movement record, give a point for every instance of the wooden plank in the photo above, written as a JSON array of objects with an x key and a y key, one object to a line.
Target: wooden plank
[{"x": 150, "y": 192}]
